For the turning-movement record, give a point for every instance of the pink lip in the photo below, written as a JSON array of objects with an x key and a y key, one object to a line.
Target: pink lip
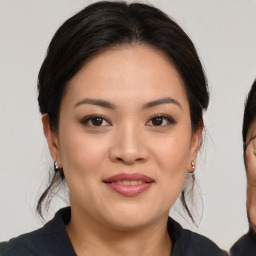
[
  {"x": 128, "y": 176},
  {"x": 129, "y": 190}
]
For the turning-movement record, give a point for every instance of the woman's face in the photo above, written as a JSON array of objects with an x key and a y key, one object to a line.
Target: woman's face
[{"x": 124, "y": 138}]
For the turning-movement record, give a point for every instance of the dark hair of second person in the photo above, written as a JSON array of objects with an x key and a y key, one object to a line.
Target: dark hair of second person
[
  {"x": 246, "y": 245},
  {"x": 249, "y": 112},
  {"x": 249, "y": 136}
]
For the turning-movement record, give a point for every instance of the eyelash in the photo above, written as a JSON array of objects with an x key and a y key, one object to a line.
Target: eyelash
[
  {"x": 169, "y": 120},
  {"x": 88, "y": 119}
]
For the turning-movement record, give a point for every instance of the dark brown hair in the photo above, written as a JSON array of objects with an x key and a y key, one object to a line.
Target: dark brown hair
[
  {"x": 106, "y": 24},
  {"x": 249, "y": 112}
]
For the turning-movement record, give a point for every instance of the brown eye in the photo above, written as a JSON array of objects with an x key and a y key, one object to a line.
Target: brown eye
[
  {"x": 156, "y": 121},
  {"x": 95, "y": 121},
  {"x": 161, "y": 120}
]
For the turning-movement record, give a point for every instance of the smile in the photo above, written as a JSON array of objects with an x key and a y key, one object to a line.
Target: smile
[{"x": 129, "y": 184}]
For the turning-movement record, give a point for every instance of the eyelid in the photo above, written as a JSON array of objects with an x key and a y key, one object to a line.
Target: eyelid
[
  {"x": 86, "y": 119},
  {"x": 169, "y": 119}
]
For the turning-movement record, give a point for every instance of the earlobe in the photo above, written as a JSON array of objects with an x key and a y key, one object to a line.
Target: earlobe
[{"x": 51, "y": 136}]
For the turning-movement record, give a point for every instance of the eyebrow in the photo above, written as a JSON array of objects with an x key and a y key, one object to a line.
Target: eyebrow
[
  {"x": 167, "y": 100},
  {"x": 97, "y": 102},
  {"x": 107, "y": 104}
]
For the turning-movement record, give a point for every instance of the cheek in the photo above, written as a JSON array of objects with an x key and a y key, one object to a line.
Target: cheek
[
  {"x": 172, "y": 156},
  {"x": 83, "y": 160},
  {"x": 81, "y": 154},
  {"x": 172, "y": 153}
]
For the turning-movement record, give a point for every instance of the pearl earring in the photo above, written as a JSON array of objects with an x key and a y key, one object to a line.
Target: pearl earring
[
  {"x": 57, "y": 169},
  {"x": 193, "y": 165}
]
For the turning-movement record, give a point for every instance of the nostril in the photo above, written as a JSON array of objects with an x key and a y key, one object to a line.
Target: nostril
[
  {"x": 129, "y": 159},
  {"x": 127, "y": 155}
]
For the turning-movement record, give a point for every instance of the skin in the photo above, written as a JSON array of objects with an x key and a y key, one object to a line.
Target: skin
[
  {"x": 250, "y": 164},
  {"x": 104, "y": 222}
]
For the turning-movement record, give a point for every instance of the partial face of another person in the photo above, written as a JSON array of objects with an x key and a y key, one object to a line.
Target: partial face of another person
[
  {"x": 125, "y": 139},
  {"x": 250, "y": 164}
]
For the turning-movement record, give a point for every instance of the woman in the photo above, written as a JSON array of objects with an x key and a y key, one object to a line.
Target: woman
[
  {"x": 246, "y": 245},
  {"x": 122, "y": 93}
]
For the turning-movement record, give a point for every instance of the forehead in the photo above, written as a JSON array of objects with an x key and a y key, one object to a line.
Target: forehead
[{"x": 127, "y": 73}]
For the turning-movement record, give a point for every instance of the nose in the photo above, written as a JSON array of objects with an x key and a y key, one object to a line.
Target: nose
[{"x": 128, "y": 146}]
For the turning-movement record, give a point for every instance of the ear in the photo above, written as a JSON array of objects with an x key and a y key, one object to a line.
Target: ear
[
  {"x": 194, "y": 147},
  {"x": 52, "y": 139}
]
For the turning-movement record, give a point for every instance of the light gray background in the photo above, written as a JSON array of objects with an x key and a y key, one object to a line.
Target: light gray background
[{"x": 224, "y": 32}]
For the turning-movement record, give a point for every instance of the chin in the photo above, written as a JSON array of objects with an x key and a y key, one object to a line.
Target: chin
[
  {"x": 131, "y": 218},
  {"x": 128, "y": 223}
]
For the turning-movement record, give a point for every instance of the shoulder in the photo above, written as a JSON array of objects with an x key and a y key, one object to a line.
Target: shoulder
[
  {"x": 200, "y": 245},
  {"x": 245, "y": 246},
  {"x": 190, "y": 243},
  {"x": 50, "y": 240},
  {"x": 26, "y": 244}
]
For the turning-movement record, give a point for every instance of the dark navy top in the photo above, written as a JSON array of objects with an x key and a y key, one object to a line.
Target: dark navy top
[
  {"x": 245, "y": 246},
  {"x": 52, "y": 240}
]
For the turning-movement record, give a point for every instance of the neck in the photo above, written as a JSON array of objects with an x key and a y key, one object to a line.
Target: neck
[{"x": 90, "y": 238}]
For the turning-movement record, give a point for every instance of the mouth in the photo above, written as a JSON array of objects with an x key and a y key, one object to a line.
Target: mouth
[{"x": 129, "y": 184}]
